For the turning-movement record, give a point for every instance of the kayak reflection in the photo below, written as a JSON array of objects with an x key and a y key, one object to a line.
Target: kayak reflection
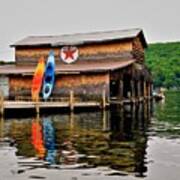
[
  {"x": 37, "y": 138},
  {"x": 49, "y": 140}
]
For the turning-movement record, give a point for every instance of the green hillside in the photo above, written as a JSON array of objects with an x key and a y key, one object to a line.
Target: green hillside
[{"x": 163, "y": 59}]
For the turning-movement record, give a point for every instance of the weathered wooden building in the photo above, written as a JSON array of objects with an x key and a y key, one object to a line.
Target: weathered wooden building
[{"x": 110, "y": 62}]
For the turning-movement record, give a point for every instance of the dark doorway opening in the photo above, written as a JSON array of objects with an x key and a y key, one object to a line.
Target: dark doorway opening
[
  {"x": 127, "y": 85},
  {"x": 114, "y": 88}
]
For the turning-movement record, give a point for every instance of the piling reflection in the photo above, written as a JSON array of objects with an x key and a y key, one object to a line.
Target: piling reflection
[
  {"x": 1, "y": 127},
  {"x": 115, "y": 138}
]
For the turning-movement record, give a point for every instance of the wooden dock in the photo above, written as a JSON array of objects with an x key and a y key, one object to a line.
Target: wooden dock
[
  {"x": 55, "y": 104},
  {"x": 70, "y": 103},
  {"x": 49, "y": 104}
]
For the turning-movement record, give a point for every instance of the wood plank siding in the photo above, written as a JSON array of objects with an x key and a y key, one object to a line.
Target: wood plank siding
[
  {"x": 138, "y": 50},
  {"x": 30, "y": 55},
  {"x": 85, "y": 86}
]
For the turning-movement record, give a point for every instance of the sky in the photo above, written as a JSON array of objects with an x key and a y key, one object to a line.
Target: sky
[{"x": 159, "y": 19}]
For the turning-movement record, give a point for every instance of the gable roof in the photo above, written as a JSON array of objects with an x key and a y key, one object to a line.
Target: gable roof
[{"x": 81, "y": 38}]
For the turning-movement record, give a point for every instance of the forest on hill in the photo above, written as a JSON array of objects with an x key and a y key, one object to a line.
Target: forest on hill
[{"x": 163, "y": 60}]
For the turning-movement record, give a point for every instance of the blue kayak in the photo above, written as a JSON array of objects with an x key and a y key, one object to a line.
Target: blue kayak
[{"x": 49, "y": 76}]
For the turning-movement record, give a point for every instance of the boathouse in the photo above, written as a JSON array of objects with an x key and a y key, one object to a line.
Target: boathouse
[{"x": 100, "y": 64}]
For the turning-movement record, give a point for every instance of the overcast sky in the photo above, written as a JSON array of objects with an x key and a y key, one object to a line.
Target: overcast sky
[{"x": 20, "y": 18}]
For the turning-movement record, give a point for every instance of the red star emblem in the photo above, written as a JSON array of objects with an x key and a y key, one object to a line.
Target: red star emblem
[{"x": 69, "y": 53}]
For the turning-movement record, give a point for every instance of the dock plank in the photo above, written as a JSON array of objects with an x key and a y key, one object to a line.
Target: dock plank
[{"x": 31, "y": 104}]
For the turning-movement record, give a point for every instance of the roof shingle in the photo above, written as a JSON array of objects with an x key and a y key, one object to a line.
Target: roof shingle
[{"x": 96, "y": 66}]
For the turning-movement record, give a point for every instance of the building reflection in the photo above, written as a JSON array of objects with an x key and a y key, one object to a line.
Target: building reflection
[
  {"x": 129, "y": 139},
  {"x": 118, "y": 140},
  {"x": 115, "y": 138}
]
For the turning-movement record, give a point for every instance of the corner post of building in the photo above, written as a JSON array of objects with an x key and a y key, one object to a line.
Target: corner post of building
[{"x": 71, "y": 100}]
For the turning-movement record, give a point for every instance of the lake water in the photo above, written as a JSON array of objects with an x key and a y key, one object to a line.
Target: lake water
[{"x": 131, "y": 143}]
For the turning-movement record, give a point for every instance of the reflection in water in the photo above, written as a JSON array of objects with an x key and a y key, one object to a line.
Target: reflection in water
[
  {"x": 128, "y": 139},
  {"x": 49, "y": 140},
  {"x": 115, "y": 138},
  {"x": 166, "y": 121},
  {"x": 37, "y": 138},
  {"x": 1, "y": 127}
]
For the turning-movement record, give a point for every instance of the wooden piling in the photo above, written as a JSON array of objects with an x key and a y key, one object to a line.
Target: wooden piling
[
  {"x": 120, "y": 89},
  {"x": 133, "y": 114},
  {"x": 104, "y": 120},
  {"x": 122, "y": 119},
  {"x": 37, "y": 106},
  {"x": 132, "y": 90},
  {"x": 103, "y": 99},
  {"x": 138, "y": 89},
  {"x": 1, "y": 103},
  {"x": 71, "y": 100},
  {"x": 149, "y": 90},
  {"x": 144, "y": 93}
]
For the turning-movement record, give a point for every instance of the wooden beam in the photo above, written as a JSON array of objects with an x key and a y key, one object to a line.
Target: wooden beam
[
  {"x": 103, "y": 99},
  {"x": 71, "y": 100}
]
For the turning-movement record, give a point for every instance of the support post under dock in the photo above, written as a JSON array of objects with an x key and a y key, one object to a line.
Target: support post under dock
[
  {"x": 37, "y": 106},
  {"x": 1, "y": 104},
  {"x": 71, "y": 100},
  {"x": 104, "y": 99}
]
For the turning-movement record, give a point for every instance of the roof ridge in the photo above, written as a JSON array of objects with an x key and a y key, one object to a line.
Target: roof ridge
[
  {"x": 80, "y": 38},
  {"x": 90, "y": 32}
]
